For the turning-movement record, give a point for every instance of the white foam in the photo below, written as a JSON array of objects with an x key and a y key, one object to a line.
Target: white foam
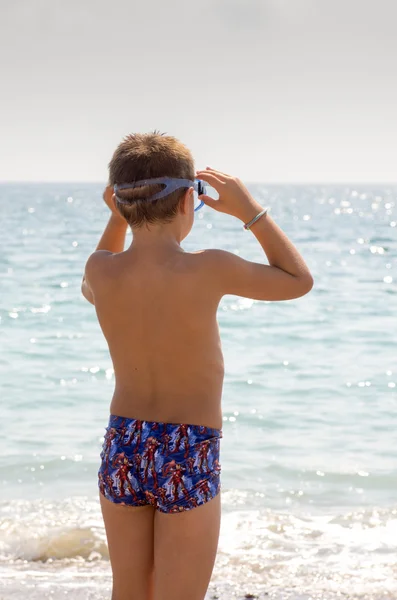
[{"x": 349, "y": 553}]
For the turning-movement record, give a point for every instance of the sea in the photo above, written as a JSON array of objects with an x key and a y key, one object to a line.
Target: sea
[{"x": 309, "y": 453}]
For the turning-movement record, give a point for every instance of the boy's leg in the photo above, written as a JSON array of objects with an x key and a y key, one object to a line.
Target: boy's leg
[
  {"x": 129, "y": 531},
  {"x": 185, "y": 547}
]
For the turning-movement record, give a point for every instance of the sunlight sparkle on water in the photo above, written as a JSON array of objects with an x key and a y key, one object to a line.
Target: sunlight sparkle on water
[{"x": 41, "y": 309}]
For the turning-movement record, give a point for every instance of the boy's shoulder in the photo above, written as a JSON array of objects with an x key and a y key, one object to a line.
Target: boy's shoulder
[
  {"x": 98, "y": 259},
  {"x": 99, "y": 263},
  {"x": 216, "y": 268},
  {"x": 211, "y": 260},
  {"x": 213, "y": 255},
  {"x": 215, "y": 259}
]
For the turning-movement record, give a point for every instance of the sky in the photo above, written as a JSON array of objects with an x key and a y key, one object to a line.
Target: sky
[{"x": 276, "y": 91}]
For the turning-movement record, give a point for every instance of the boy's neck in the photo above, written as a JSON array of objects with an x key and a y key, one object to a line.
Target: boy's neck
[{"x": 164, "y": 236}]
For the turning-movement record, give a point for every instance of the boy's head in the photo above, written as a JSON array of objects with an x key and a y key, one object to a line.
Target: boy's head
[{"x": 146, "y": 156}]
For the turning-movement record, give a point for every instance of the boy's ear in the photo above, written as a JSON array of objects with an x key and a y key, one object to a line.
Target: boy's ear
[
  {"x": 188, "y": 197},
  {"x": 113, "y": 201},
  {"x": 114, "y": 207}
]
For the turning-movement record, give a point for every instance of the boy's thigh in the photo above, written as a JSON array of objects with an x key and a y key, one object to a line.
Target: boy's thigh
[
  {"x": 185, "y": 546},
  {"x": 129, "y": 532}
]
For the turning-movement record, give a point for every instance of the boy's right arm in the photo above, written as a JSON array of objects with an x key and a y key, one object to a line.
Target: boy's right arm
[{"x": 287, "y": 275}]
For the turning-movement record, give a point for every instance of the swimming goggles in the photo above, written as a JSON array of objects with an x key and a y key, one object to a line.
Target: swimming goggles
[{"x": 171, "y": 184}]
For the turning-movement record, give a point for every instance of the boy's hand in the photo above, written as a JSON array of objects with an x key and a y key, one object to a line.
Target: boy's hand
[
  {"x": 109, "y": 201},
  {"x": 234, "y": 198}
]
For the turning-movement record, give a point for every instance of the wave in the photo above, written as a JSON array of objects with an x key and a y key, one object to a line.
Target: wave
[
  {"x": 352, "y": 553},
  {"x": 42, "y": 530},
  {"x": 39, "y": 530}
]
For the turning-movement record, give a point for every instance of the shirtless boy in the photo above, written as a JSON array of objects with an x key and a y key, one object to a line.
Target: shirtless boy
[{"x": 159, "y": 479}]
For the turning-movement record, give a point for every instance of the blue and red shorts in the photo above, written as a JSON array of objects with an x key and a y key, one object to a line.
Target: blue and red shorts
[{"x": 173, "y": 467}]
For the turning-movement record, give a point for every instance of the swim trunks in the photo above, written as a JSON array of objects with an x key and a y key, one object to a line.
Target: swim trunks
[{"x": 171, "y": 466}]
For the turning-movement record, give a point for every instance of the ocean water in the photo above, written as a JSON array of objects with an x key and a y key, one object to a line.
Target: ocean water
[{"x": 309, "y": 455}]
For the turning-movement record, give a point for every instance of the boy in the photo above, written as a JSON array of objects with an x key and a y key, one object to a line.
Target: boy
[{"x": 159, "y": 479}]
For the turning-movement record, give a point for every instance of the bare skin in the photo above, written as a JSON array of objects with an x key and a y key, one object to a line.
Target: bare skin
[{"x": 157, "y": 305}]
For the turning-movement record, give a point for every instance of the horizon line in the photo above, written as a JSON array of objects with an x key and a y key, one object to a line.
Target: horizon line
[{"x": 96, "y": 182}]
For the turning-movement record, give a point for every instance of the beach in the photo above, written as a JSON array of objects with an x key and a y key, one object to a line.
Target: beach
[{"x": 309, "y": 403}]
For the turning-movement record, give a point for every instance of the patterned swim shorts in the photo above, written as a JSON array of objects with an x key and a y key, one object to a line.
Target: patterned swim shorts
[{"x": 173, "y": 467}]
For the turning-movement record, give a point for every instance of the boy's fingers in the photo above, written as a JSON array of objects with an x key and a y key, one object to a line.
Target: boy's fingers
[
  {"x": 210, "y": 178},
  {"x": 222, "y": 176},
  {"x": 215, "y": 171},
  {"x": 208, "y": 201},
  {"x": 210, "y": 170},
  {"x": 218, "y": 174}
]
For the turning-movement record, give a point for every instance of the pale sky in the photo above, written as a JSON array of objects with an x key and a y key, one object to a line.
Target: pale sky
[{"x": 269, "y": 90}]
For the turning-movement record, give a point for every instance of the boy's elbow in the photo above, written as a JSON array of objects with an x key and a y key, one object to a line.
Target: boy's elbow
[
  {"x": 307, "y": 283},
  {"x": 87, "y": 293}
]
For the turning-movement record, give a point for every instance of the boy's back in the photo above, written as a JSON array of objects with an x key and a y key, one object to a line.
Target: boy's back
[{"x": 157, "y": 310}]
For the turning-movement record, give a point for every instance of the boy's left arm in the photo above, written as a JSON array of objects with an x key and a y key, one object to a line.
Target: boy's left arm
[{"x": 112, "y": 241}]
